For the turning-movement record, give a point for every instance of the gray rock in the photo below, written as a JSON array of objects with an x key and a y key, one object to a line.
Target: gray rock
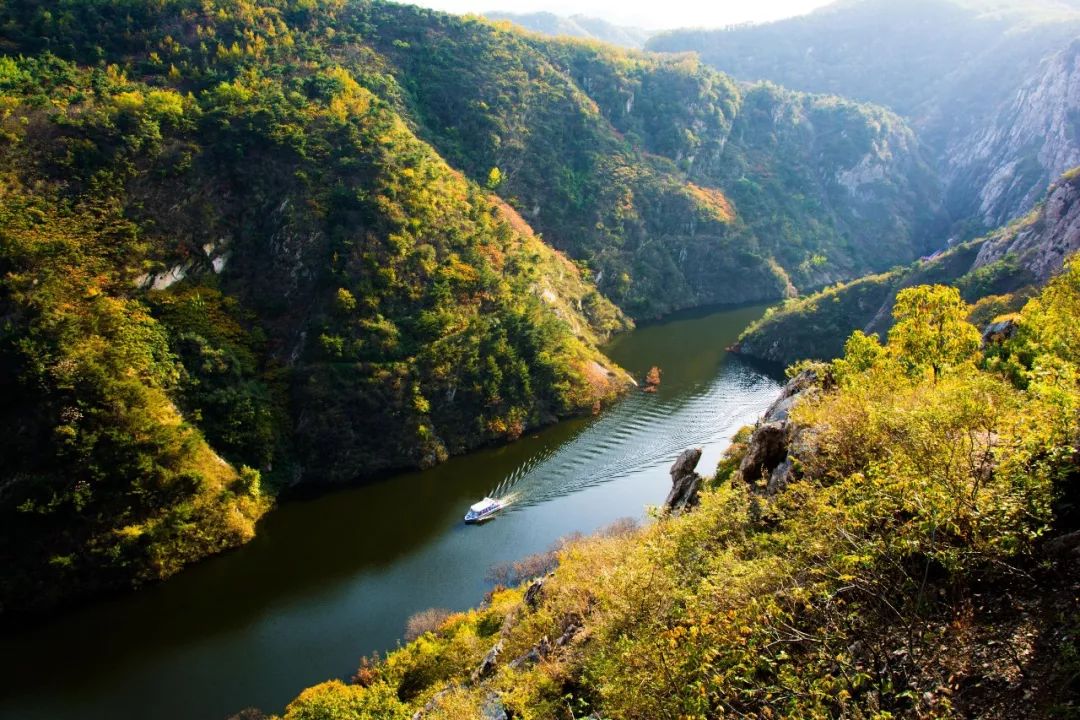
[
  {"x": 998, "y": 332},
  {"x": 1028, "y": 142},
  {"x": 488, "y": 664},
  {"x": 533, "y": 593},
  {"x": 798, "y": 386},
  {"x": 685, "y": 483},
  {"x": 765, "y": 451},
  {"x": 781, "y": 476},
  {"x": 776, "y": 445},
  {"x": 568, "y": 635},
  {"x": 538, "y": 652},
  {"x": 686, "y": 463},
  {"x": 493, "y": 708}
]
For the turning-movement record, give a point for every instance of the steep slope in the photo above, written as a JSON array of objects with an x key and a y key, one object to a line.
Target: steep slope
[
  {"x": 982, "y": 82},
  {"x": 288, "y": 209},
  {"x": 252, "y": 261},
  {"x": 595, "y": 147},
  {"x": 999, "y": 171},
  {"x": 997, "y": 271},
  {"x": 896, "y": 538}
]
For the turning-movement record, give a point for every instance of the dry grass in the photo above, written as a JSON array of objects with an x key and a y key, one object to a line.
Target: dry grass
[{"x": 425, "y": 621}]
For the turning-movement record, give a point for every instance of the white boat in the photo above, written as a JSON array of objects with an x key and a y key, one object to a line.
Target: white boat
[{"x": 483, "y": 510}]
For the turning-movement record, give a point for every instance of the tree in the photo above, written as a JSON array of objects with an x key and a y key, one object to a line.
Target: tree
[
  {"x": 861, "y": 353},
  {"x": 931, "y": 330}
]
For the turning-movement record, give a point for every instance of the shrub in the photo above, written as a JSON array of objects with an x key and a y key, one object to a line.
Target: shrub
[{"x": 425, "y": 621}]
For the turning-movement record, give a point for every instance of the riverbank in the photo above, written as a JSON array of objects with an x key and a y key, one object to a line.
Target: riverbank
[{"x": 331, "y": 578}]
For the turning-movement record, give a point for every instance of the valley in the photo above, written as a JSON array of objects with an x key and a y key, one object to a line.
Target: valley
[{"x": 287, "y": 285}]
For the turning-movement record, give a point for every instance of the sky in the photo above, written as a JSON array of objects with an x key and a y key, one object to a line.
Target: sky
[{"x": 650, "y": 14}]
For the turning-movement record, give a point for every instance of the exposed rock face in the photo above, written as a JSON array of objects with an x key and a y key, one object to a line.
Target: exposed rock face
[
  {"x": 797, "y": 386},
  {"x": 776, "y": 444},
  {"x": 685, "y": 483},
  {"x": 1042, "y": 246},
  {"x": 994, "y": 94},
  {"x": 1032, "y": 139},
  {"x": 766, "y": 450}
]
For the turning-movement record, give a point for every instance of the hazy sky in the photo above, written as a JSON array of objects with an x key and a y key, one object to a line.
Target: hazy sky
[{"x": 657, "y": 14}]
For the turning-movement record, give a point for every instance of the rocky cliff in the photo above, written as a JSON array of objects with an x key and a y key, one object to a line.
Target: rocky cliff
[
  {"x": 990, "y": 87},
  {"x": 1040, "y": 244},
  {"x": 1000, "y": 171}
]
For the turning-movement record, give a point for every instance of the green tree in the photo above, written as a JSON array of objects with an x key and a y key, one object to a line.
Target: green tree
[
  {"x": 931, "y": 330},
  {"x": 861, "y": 353}
]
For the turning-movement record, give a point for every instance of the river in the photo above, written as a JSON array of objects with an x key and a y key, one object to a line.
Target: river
[{"x": 330, "y": 579}]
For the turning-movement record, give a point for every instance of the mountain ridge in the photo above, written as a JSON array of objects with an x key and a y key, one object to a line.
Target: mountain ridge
[{"x": 954, "y": 70}]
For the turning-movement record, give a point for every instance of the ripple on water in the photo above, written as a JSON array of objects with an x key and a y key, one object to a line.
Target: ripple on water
[{"x": 640, "y": 434}]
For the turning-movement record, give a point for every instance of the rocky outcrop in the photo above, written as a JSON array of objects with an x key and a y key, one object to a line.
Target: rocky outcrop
[
  {"x": 536, "y": 653},
  {"x": 999, "y": 332},
  {"x": 493, "y": 708},
  {"x": 488, "y": 664},
  {"x": 765, "y": 453},
  {"x": 533, "y": 593},
  {"x": 685, "y": 482},
  {"x": 798, "y": 386},
  {"x": 1032, "y": 139},
  {"x": 774, "y": 448},
  {"x": 1040, "y": 247}
]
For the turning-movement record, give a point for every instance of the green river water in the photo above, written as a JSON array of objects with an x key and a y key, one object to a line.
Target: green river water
[{"x": 331, "y": 579}]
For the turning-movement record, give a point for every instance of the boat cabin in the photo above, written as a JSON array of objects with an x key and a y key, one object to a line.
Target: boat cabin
[{"x": 483, "y": 510}]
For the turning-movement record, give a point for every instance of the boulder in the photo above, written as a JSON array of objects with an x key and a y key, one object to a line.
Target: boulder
[
  {"x": 493, "y": 708},
  {"x": 538, "y": 652},
  {"x": 685, "y": 483},
  {"x": 766, "y": 450}
]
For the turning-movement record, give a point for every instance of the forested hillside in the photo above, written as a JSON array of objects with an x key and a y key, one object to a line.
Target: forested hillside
[
  {"x": 998, "y": 273},
  {"x": 595, "y": 147},
  {"x": 252, "y": 265},
  {"x": 989, "y": 86},
  {"x": 896, "y": 538},
  {"x": 256, "y": 244}
]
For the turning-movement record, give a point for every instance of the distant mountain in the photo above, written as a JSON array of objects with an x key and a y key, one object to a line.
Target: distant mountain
[
  {"x": 577, "y": 26},
  {"x": 991, "y": 86}
]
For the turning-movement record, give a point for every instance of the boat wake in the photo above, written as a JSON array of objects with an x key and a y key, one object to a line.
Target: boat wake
[{"x": 643, "y": 433}]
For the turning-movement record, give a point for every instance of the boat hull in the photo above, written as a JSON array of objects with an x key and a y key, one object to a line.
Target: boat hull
[{"x": 478, "y": 518}]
